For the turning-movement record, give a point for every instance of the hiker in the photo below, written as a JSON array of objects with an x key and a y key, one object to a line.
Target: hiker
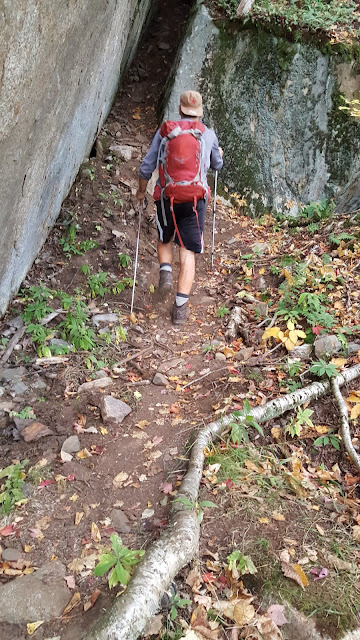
[{"x": 181, "y": 199}]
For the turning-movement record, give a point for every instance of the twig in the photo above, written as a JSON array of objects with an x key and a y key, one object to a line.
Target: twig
[
  {"x": 273, "y": 320},
  {"x": 204, "y": 376},
  {"x": 263, "y": 322},
  {"x": 12, "y": 344},
  {"x": 136, "y": 384},
  {"x": 344, "y": 423},
  {"x": 165, "y": 346},
  {"x": 274, "y": 349},
  {"x": 134, "y": 355}
]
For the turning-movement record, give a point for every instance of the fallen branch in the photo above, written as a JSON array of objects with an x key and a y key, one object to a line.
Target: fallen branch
[
  {"x": 237, "y": 326},
  {"x": 178, "y": 543},
  {"x": 344, "y": 424},
  {"x": 12, "y": 344}
]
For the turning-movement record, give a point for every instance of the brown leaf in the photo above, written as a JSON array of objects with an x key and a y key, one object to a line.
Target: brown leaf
[
  {"x": 243, "y": 612},
  {"x": 75, "y": 600},
  {"x": 295, "y": 572},
  {"x": 268, "y": 629},
  {"x": 90, "y": 603}
]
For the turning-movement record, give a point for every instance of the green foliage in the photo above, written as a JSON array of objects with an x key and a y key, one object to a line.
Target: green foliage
[
  {"x": 297, "y": 305},
  {"x": 74, "y": 327},
  {"x": 124, "y": 260},
  {"x": 322, "y": 368},
  {"x": 121, "y": 562},
  {"x": 239, "y": 429},
  {"x": 302, "y": 417},
  {"x": 229, "y": 7},
  {"x": 96, "y": 283},
  {"x": 242, "y": 564},
  {"x": 316, "y": 211},
  {"x": 329, "y": 438},
  {"x": 122, "y": 284},
  {"x": 197, "y": 506},
  {"x": 222, "y": 311},
  {"x": 27, "y": 413},
  {"x": 11, "y": 490},
  {"x": 85, "y": 269},
  {"x": 342, "y": 237},
  {"x": 177, "y": 603},
  {"x": 71, "y": 246},
  {"x": 313, "y": 14}
]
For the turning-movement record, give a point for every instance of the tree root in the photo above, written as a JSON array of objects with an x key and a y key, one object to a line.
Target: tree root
[
  {"x": 178, "y": 543},
  {"x": 344, "y": 424},
  {"x": 237, "y": 324}
]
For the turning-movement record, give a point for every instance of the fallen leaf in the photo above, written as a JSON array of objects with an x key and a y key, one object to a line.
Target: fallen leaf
[
  {"x": 78, "y": 517},
  {"x": 90, "y": 603},
  {"x": 75, "y": 600},
  {"x": 8, "y": 530},
  {"x": 154, "y": 627},
  {"x": 268, "y": 629},
  {"x": 276, "y": 613},
  {"x": 70, "y": 582},
  {"x": 95, "y": 533},
  {"x": 295, "y": 572},
  {"x": 148, "y": 513},
  {"x": 32, "y": 626},
  {"x": 120, "y": 479},
  {"x": 243, "y": 612},
  {"x": 278, "y": 516},
  {"x": 356, "y": 533},
  {"x": 320, "y": 530}
]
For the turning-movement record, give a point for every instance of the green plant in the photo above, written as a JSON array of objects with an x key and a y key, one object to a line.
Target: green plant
[
  {"x": 121, "y": 562},
  {"x": 198, "y": 507},
  {"x": 96, "y": 284},
  {"x": 323, "y": 368},
  {"x": 27, "y": 413},
  {"x": 124, "y": 260},
  {"x": 85, "y": 269},
  {"x": 122, "y": 284},
  {"x": 242, "y": 564},
  {"x": 93, "y": 364},
  {"x": 229, "y": 6},
  {"x": 71, "y": 246},
  {"x": 239, "y": 428},
  {"x": 176, "y": 603},
  {"x": 74, "y": 327},
  {"x": 37, "y": 298},
  {"x": 11, "y": 490},
  {"x": 329, "y": 438},
  {"x": 295, "y": 426},
  {"x": 222, "y": 311},
  {"x": 342, "y": 237}
]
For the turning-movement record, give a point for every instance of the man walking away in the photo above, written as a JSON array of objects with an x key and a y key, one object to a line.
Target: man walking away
[{"x": 183, "y": 151}]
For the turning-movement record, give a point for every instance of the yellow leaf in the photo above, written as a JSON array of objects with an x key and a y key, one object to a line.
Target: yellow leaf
[
  {"x": 290, "y": 325},
  {"x": 281, "y": 336},
  {"x": 289, "y": 345},
  {"x": 84, "y": 453},
  {"x": 119, "y": 479},
  {"x": 132, "y": 318},
  {"x": 73, "y": 603},
  {"x": 293, "y": 335},
  {"x": 74, "y": 497},
  {"x": 320, "y": 428},
  {"x": 295, "y": 572},
  {"x": 339, "y": 305},
  {"x": 28, "y": 548},
  {"x": 142, "y": 424},
  {"x": 103, "y": 431},
  {"x": 339, "y": 362},
  {"x": 264, "y": 520},
  {"x": 32, "y": 626},
  {"x": 78, "y": 517},
  {"x": 278, "y": 516},
  {"x": 252, "y": 467},
  {"x": 95, "y": 533},
  {"x": 261, "y": 271},
  {"x": 301, "y": 334},
  {"x": 136, "y": 116},
  {"x": 354, "y": 396},
  {"x": 272, "y": 332},
  {"x": 276, "y": 433},
  {"x": 355, "y": 412},
  {"x": 228, "y": 352}
]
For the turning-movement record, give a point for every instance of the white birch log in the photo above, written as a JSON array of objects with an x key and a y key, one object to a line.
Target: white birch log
[
  {"x": 244, "y": 7},
  {"x": 344, "y": 424},
  {"x": 129, "y": 614}
]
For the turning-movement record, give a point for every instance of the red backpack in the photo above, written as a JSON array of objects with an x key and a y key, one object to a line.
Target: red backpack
[{"x": 181, "y": 163}]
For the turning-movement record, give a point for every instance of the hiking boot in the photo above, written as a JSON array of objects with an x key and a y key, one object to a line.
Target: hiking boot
[
  {"x": 165, "y": 283},
  {"x": 179, "y": 315}
]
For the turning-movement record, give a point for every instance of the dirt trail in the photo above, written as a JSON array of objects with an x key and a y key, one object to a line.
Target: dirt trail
[{"x": 205, "y": 375}]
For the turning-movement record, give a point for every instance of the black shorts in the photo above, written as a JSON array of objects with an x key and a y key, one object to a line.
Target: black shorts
[{"x": 191, "y": 228}]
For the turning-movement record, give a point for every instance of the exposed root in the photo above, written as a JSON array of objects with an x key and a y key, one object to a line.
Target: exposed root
[
  {"x": 344, "y": 424},
  {"x": 237, "y": 326},
  {"x": 177, "y": 544}
]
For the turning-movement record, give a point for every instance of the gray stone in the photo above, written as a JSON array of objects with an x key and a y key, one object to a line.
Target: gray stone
[
  {"x": 21, "y": 423},
  {"x": 352, "y": 348},
  {"x": 6, "y": 406},
  {"x": 12, "y": 374},
  {"x": 160, "y": 380},
  {"x": 260, "y": 308},
  {"x": 326, "y": 345},
  {"x": 105, "y": 318},
  {"x": 41, "y": 595},
  {"x": 244, "y": 354},
  {"x": 113, "y": 410},
  {"x": 120, "y": 521},
  {"x": 100, "y": 374},
  {"x": 38, "y": 383},
  {"x": 18, "y": 388},
  {"x": 303, "y": 352},
  {"x": 260, "y": 247},
  {"x": 260, "y": 283},
  {"x": 93, "y": 385},
  {"x": 11, "y": 555},
  {"x": 2, "y": 391},
  {"x": 61, "y": 343},
  {"x": 71, "y": 445},
  {"x": 122, "y": 151},
  {"x": 16, "y": 323},
  {"x": 220, "y": 356}
]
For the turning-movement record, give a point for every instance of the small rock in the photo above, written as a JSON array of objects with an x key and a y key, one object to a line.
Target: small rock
[
  {"x": 171, "y": 364},
  {"x": 160, "y": 380},
  {"x": 37, "y": 383},
  {"x": 18, "y": 388},
  {"x": 261, "y": 247},
  {"x": 12, "y": 374},
  {"x": 220, "y": 356},
  {"x": 352, "y": 348},
  {"x": 207, "y": 300},
  {"x": 326, "y": 345},
  {"x": 105, "y": 318},
  {"x": 71, "y": 445},
  {"x": 120, "y": 521},
  {"x": 61, "y": 343},
  {"x": 164, "y": 46},
  {"x": 142, "y": 73},
  {"x": 17, "y": 322},
  {"x": 244, "y": 354},
  {"x": 6, "y": 406},
  {"x": 303, "y": 352},
  {"x": 231, "y": 241},
  {"x": 113, "y": 410},
  {"x": 11, "y": 555},
  {"x": 101, "y": 383},
  {"x": 122, "y": 151},
  {"x": 118, "y": 234},
  {"x": 260, "y": 283},
  {"x": 35, "y": 431},
  {"x": 2, "y": 391},
  {"x": 259, "y": 308},
  {"x": 41, "y": 595},
  {"x": 100, "y": 374}
]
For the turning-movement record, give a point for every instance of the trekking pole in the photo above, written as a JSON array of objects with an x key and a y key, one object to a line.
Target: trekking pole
[
  {"x": 140, "y": 207},
  {"x": 213, "y": 223}
]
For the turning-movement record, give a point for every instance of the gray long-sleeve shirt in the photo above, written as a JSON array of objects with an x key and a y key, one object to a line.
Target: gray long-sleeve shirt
[{"x": 213, "y": 158}]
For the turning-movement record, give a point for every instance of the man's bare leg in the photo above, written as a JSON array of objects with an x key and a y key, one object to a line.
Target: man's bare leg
[
  {"x": 181, "y": 310},
  {"x": 165, "y": 260}
]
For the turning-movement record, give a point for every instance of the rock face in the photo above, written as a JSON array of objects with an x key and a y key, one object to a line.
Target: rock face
[
  {"x": 42, "y": 595},
  {"x": 113, "y": 410},
  {"x": 275, "y": 104},
  {"x": 61, "y": 65},
  {"x": 326, "y": 345}
]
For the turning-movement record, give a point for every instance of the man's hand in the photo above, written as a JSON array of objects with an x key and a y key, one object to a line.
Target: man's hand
[
  {"x": 221, "y": 152},
  {"x": 141, "y": 192}
]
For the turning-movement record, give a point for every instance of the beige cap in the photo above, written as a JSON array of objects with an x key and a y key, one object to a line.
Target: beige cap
[{"x": 191, "y": 103}]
